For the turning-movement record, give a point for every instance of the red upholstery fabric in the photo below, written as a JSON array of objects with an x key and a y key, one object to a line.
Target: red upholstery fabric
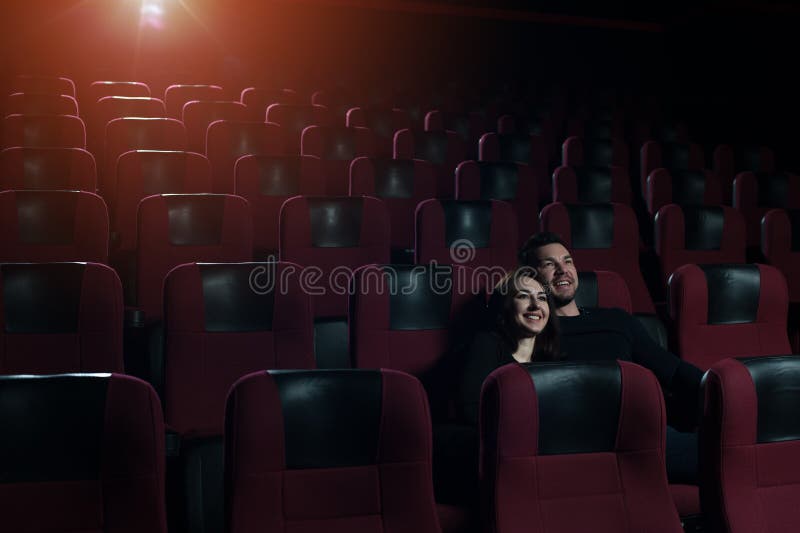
[
  {"x": 96, "y": 344},
  {"x": 566, "y": 188},
  {"x": 468, "y": 125},
  {"x": 227, "y": 141},
  {"x": 612, "y": 291},
  {"x": 26, "y": 83},
  {"x": 393, "y": 494},
  {"x": 776, "y": 245},
  {"x": 85, "y": 212},
  {"x": 156, "y": 255},
  {"x": 746, "y": 201},
  {"x": 445, "y": 149},
  {"x": 670, "y": 240},
  {"x": 201, "y": 365},
  {"x": 177, "y": 95},
  {"x": 747, "y": 486},
  {"x": 383, "y": 122},
  {"x": 199, "y": 114},
  {"x": 337, "y": 148},
  {"x": 127, "y": 496},
  {"x": 659, "y": 190},
  {"x": 108, "y": 108},
  {"x": 266, "y": 208},
  {"x": 334, "y": 264},
  {"x": 686, "y": 499},
  {"x": 489, "y": 149},
  {"x": 652, "y": 157},
  {"x": 142, "y": 173},
  {"x": 258, "y": 99},
  {"x": 338, "y": 101},
  {"x": 624, "y": 489},
  {"x": 401, "y": 210},
  {"x": 525, "y": 202},
  {"x": 432, "y": 242},
  {"x": 293, "y": 119},
  {"x": 40, "y": 104},
  {"x": 47, "y": 168},
  {"x": 101, "y": 89},
  {"x": 703, "y": 344},
  {"x": 63, "y": 131},
  {"x": 126, "y": 134},
  {"x": 622, "y": 257},
  {"x": 572, "y": 153}
]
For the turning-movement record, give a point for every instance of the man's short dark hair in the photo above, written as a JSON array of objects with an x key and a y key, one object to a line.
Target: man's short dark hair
[{"x": 526, "y": 255}]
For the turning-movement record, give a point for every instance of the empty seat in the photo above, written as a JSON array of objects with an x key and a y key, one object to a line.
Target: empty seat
[
  {"x": 682, "y": 187},
  {"x": 729, "y": 161},
  {"x": 575, "y": 447},
  {"x": 336, "y": 148},
  {"x": 362, "y": 436},
  {"x": 749, "y": 447},
  {"x": 108, "y": 108},
  {"x": 142, "y": 173},
  {"x": 293, "y": 119},
  {"x": 510, "y": 182},
  {"x": 227, "y": 141},
  {"x": 756, "y": 193},
  {"x": 445, "y": 149},
  {"x": 62, "y": 131},
  {"x": 728, "y": 311},
  {"x": 334, "y": 235},
  {"x": 199, "y": 114},
  {"x": 593, "y": 185},
  {"x": 101, "y": 89},
  {"x": 383, "y": 121},
  {"x": 126, "y": 134},
  {"x": 53, "y": 226},
  {"x": 780, "y": 245},
  {"x": 47, "y": 168},
  {"x": 671, "y": 155},
  {"x": 477, "y": 233},
  {"x": 702, "y": 235},
  {"x": 182, "y": 228},
  {"x": 401, "y": 184},
  {"x": 520, "y": 148},
  {"x": 177, "y": 95},
  {"x": 589, "y": 152},
  {"x": 602, "y": 237},
  {"x": 469, "y": 126},
  {"x": 268, "y": 181},
  {"x": 60, "y": 317},
  {"x": 338, "y": 101},
  {"x": 81, "y": 453},
  {"x": 40, "y": 104},
  {"x": 26, "y": 83},
  {"x": 603, "y": 288},
  {"x": 258, "y": 99}
]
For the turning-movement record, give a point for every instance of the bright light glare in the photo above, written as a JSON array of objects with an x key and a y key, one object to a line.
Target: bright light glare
[{"x": 152, "y": 14}]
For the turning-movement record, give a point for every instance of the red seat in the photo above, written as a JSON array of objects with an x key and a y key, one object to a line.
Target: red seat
[
  {"x": 781, "y": 246},
  {"x": 227, "y": 141},
  {"x": 383, "y": 121},
  {"x": 177, "y": 95},
  {"x": 445, "y": 149},
  {"x": 756, "y": 193},
  {"x": 47, "y": 168},
  {"x": 101, "y": 89},
  {"x": 337, "y": 148},
  {"x": 258, "y": 99},
  {"x": 681, "y": 187},
  {"x": 594, "y": 185},
  {"x": 673, "y": 156},
  {"x": 26, "y": 83},
  {"x": 108, "y": 108},
  {"x": 199, "y": 114},
  {"x": 55, "y": 131},
  {"x": 40, "y": 104},
  {"x": 528, "y": 149},
  {"x": 293, "y": 119}
]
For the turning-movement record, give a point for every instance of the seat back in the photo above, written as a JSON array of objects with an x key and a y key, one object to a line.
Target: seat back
[
  {"x": 756, "y": 193},
  {"x": 108, "y": 108},
  {"x": 26, "y": 83},
  {"x": 383, "y": 121},
  {"x": 227, "y": 141},
  {"x": 199, "y": 114},
  {"x": 62, "y": 131},
  {"x": 728, "y": 311},
  {"x": 337, "y": 148},
  {"x": 258, "y": 99},
  {"x": 603, "y": 288},
  {"x": 47, "y": 168},
  {"x": 293, "y": 119},
  {"x": 674, "y": 156},
  {"x": 101, "y": 89},
  {"x": 529, "y": 149},
  {"x": 780, "y": 245},
  {"x": 40, "y": 104},
  {"x": 445, "y": 149},
  {"x": 591, "y": 185},
  {"x": 177, "y": 95},
  {"x": 574, "y": 447},
  {"x": 356, "y": 442},
  {"x": 681, "y": 187}
]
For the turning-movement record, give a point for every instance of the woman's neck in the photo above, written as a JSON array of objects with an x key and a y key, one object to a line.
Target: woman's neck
[{"x": 524, "y": 353}]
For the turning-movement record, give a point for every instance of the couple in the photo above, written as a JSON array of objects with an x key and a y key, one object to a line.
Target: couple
[{"x": 523, "y": 329}]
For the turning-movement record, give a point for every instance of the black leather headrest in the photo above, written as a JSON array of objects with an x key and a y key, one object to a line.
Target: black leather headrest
[
  {"x": 44, "y": 168},
  {"x": 46, "y": 217},
  {"x": 589, "y": 294},
  {"x": 52, "y": 427},
  {"x": 394, "y": 178},
  {"x": 340, "y": 145},
  {"x": 688, "y": 188},
  {"x": 162, "y": 172},
  {"x": 42, "y": 297},
  {"x": 419, "y": 296},
  {"x": 703, "y": 227},
  {"x": 499, "y": 180},
  {"x": 468, "y": 220},
  {"x": 232, "y": 301},
  {"x": 777, "y": 383},
  {"x": 733, "y": 293},
  {"x": 515, "y": 147},
  {"x": 598, "y": 152},
  {"x": 592, "y": 226},
  {"x": 195, "y": 219},
  {"x": 279, "y": 175},
  {"x": 773, "y": 190},
  {"x": 579, "y": 406},
  {"x": 595, "y": 185},
  {"x": 675, "y": 156},
  {"x": 335, "y": 222},
  {"x": 431, "y": 146},
  {"x": 331, "y": 418}
]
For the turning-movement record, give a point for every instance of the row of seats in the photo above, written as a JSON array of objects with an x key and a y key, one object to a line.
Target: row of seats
[{"x": 295, "y": 439}]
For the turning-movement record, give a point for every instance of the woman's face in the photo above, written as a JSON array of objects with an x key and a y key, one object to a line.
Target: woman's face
[{"x": 531, "y": 311}]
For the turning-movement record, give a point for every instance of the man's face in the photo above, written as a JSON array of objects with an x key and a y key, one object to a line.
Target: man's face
[{"x": 556, "y": 269}]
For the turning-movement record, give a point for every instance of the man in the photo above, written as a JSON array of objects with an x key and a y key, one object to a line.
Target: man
[{"x": 602, "y": 334}]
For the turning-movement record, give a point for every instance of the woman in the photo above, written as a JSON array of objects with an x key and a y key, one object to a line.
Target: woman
[{"x": 519, "y": 329}]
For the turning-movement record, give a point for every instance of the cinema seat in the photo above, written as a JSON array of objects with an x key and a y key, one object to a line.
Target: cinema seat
[
  {"x": 258, "y": 99},
  {"x": 748, "y": 445},
  {"x": 266, "y": 182},
  {"x": 590, "y": 152},
  {"x": 108, "y": 108},
  {"x": 756, "y": 193},
  {"x": 574, "y": 447},
  {"x": 47, "y": 168},
  {"x": 26, "y": 83},
  {"x": 603, "y": 288},
  {"x": 60, "y": 317},
  {"x": 445, "y": 149},
  {"x": 197, "y": 115},
  {"x": 338, "y": 101},
  {"x": 41, "y": 226},
  {"x": 383, "y": 121},
  {"x": 469, "y": 126},
  {"x": 101, "y": 89},
  {"x": 724, "y": 311},
  {"x": 673, "y": 156},
  {"x": 684, "y": 188},
  {"x": 293, "y": 119},
  {"x": 729, "y": 161},
  {"x": 227, "y": 141},
  {"x": 356, "y": 442},
  {"x": 55, "y": 131},
  {"x": 337, "y": 147},
  {"x": 81, "y": 452},
  {"x": 591, "y": 185},
  {"x": 530, "y": 150},
  {"x": 780, "y": 244},
  {"x": 40, "y": 104},
  {"x": 177, "y": 95}
]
